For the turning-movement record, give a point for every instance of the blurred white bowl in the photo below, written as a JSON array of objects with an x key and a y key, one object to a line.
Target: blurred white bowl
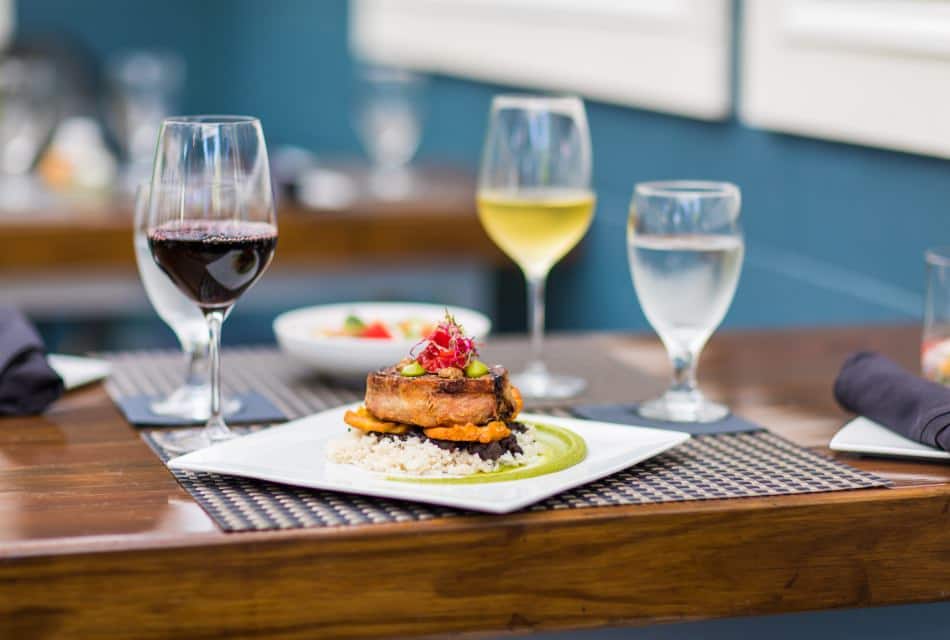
[{"x": 300, "y": 334}]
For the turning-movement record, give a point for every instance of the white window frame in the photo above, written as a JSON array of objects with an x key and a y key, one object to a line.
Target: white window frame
[
  {"x": 665, "y": 55},
  {"x": 871, "y": 72}
]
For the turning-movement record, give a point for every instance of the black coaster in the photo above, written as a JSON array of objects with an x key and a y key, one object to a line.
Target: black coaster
[
  {"x": 627, "y": 414},
  {"x": 255, "y": 409}
]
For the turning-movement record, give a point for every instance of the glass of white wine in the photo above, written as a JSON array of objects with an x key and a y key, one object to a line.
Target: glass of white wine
[
  {"x": 536, "y": 203},
  {"x": 685, "y": 248}
]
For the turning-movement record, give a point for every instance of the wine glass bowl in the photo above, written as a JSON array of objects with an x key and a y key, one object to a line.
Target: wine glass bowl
[
  {"x": 685, "y": 248},
  {"x": 212, "y": 261},
  {"x": 211, "y": 227},
  {"x": 535, "y": 202}
]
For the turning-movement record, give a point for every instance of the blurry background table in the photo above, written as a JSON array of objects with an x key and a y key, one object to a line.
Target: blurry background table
[
  {"x": 72, "y": 267},
  {"x": 437, "y": 220},
  {"x": 96, "y": 536}
]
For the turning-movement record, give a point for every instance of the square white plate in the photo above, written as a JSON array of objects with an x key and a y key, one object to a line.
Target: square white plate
[
  {"x": 76, "y": 371},
  {"x": 862, "y": 435},
  {"x": 295, "y": 453}
]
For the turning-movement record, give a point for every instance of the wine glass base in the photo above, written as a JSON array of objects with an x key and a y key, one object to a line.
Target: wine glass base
[
  {"x": 182, "y": 441},
  {"x": 675, "y": 406},
  {"x": 192, "y": 403},
  {"x": 546, "y": 386}
]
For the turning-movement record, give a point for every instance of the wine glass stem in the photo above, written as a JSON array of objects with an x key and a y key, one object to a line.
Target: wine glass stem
[
  {"x": 216, "y": 429},
  {"x": 536, "y": 285},
  {"x": 196, "y": 373},
  {"x": 684, "y": 363}
]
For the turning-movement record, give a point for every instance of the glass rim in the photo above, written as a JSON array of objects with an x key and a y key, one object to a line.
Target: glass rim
[
  {"x": 536, "y": 101},
  {"x": 219, "y": 120},
  {"x": 686, "y": 188},
  {"x": 938, "y": 256}
]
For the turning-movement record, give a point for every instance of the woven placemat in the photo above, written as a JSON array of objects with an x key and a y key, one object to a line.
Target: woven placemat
[{"x": 705, "y": 467}]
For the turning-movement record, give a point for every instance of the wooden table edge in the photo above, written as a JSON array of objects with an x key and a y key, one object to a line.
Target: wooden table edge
[
  {"x": 586, "y": 568},
  {"x": 446, "y": 526}
]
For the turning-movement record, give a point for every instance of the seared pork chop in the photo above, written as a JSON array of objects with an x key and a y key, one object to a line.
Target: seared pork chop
[{"x": 431, "y": 401}]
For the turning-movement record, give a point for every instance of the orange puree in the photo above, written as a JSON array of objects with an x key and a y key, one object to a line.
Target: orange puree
[
  {"x": 519, "y": 403},
  {"x": 470, "y": 432},
  {"x": 363, "y": 420}
]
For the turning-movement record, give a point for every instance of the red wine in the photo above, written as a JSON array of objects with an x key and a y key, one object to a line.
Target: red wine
[{"x": 213, "y": 262}]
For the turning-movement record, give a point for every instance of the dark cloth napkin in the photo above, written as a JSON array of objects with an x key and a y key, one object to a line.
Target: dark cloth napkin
[
  {"x": 27, "y": 383},
  {"x": 627, "y": 414},
  {"x": 878, "y": 388}
]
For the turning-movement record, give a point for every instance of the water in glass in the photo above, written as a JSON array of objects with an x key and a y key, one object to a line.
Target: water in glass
[{"x": 685, "y": 248}]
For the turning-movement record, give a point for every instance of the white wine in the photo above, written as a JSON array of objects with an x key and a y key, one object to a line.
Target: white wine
[
  {"x": 685, "y": 283},
  {"x": 536, "y": 227}
]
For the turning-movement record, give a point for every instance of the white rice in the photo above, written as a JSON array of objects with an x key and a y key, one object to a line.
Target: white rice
[{"x": 418, "y": 457}]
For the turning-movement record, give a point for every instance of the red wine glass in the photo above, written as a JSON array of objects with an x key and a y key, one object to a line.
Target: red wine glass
[{"x": 212, "y": 229}]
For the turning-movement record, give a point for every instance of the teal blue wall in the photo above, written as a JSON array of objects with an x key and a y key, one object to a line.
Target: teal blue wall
[{"x": 835, "y": 232}]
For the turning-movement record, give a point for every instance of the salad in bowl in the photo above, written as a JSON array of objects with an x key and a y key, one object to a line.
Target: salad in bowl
[{"x": 347, "y": 340}]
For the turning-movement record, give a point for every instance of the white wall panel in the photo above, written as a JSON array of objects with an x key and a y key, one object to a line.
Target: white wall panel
[
  {"x": 671, "y": 55},
  {"x": 872, "y": 72}
]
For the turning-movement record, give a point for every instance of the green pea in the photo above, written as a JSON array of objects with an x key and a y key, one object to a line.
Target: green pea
[
  {"x": 476, "y": 369},
  {"x": 412, "y": 370}
]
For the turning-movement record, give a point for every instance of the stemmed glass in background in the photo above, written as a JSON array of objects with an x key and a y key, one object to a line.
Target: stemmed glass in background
[
  {"x": 536, "y": 203},
  {"x": 191, "y": 401},
  {"x": 387, "y": 117},
  {"x": 144, "y": 89},
  {"x": 685, "y": 248},
  {"x": 211, "y": 228},
  {"x": 935, "y": 346},
  {"x": 28, "y": 94}
]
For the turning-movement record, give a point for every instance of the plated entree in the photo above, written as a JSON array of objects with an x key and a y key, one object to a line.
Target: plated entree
[{"x": 439, "y": 412}]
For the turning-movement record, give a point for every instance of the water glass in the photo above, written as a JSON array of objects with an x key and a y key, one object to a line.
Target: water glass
[{"x": 685, "y": 248}]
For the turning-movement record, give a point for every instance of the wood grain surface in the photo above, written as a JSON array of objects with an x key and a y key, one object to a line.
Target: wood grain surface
[{"x": 97, "y": 540}]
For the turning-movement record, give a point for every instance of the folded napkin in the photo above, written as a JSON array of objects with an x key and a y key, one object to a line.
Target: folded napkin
[
  {"x": 878, "y": 388},
  {"x": 27, "y": 383}
]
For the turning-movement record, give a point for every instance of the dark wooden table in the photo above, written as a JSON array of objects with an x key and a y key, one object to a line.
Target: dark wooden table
[{"x": 97, "y": 540}]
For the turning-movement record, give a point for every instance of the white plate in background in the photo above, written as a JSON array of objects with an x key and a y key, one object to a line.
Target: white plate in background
[
  {"x": 77, "y": 371},
  {"x": 862, "y": 435},
  {"x": 299, "y": 334},
  {"x": 295, "y": 453}
]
